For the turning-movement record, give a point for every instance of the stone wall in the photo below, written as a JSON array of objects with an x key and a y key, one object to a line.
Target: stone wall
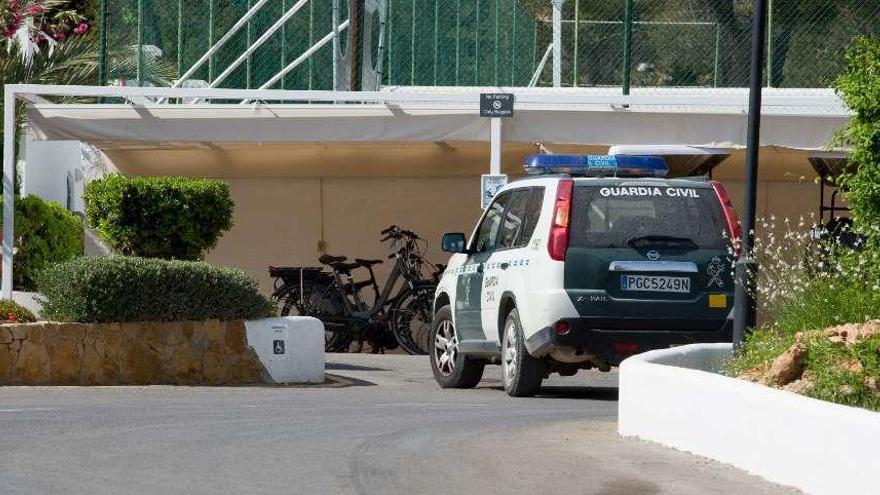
[{"x": 179, "y": 353}]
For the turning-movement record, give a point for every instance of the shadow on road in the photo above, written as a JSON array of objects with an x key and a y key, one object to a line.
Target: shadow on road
[
  {"x": 351, "y": 367},
  {"x": 571, "y": 392}
]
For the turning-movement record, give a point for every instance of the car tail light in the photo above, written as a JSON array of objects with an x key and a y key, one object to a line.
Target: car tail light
[
  {"x": 559, "y": 224},
  {"x": 562, "y": 328},
  {"x": 730, "y": 215},
  {"x": 625, "y": 347}
]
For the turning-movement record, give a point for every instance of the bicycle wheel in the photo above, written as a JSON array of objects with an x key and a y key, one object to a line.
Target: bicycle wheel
[
  {"x": 319, "y": 301},
  {"x": 411, "y": 321}
]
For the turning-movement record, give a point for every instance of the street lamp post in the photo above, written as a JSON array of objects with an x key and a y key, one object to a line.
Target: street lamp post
[{"x": 744, "y": 304}]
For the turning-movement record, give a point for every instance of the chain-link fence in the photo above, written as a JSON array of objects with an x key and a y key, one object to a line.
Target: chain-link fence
[{"x": 658, "y": 43}]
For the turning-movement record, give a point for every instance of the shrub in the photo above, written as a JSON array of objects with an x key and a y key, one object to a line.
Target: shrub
[
  {"x": 159, "y": 217},
  {"x": 120, "y": 288},
  {"x": 45, "y": 233},
  {"x": 859, "y": 86},
  {"x": 11, "y": 311}
]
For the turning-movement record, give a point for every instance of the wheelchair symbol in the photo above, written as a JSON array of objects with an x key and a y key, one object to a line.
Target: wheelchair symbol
[{"x": 278, "y": 347}]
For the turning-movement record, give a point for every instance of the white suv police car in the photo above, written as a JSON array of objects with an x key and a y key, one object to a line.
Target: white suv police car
[{"x": 602, "y": 259}]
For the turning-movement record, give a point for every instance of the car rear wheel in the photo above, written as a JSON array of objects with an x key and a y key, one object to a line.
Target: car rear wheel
[
  {"x": 522, "y": 372},
  {"x": 451, "y": 368}
]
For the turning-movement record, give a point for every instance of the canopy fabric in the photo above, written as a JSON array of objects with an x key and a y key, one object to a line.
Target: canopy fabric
[{"x": 113, "y": 126}]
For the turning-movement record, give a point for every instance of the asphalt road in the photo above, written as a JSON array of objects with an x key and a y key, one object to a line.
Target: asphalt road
[{"x": 392, "y": 431}]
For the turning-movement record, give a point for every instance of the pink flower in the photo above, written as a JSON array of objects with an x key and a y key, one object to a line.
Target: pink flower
[
  {"x": 35, "y": 9},
  {"x": 58, "y": 35},
  {"x": 82, "y": 28}
]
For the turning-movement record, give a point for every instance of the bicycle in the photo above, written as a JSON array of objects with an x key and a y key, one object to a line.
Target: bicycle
[{"x": 399, "y": 314}]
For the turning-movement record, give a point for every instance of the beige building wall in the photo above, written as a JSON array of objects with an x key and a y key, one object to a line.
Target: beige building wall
[{"x": 286, "y": 221}]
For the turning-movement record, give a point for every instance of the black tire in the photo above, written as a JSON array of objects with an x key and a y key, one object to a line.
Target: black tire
[
  {"x": 522, "y": 373},
  {"x": 318, "y": 301},
  {"x": 456, "y": 370},
  {"x": 411, "y": 321}
]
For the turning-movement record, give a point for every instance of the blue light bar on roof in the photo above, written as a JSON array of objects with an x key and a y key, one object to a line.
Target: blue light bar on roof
[{"x": 597, "y": 165}]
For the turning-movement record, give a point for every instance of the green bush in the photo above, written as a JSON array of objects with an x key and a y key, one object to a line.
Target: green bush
[
  {"x": 859, "y": 86},
  {"x": 120, "y": 288},
  {"x": 45, "y": 233},
  {"x": 11, "y": 311},
  {"x": 159, "y": 217}
]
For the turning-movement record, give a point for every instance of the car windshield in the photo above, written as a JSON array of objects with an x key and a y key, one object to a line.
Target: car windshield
[{"x": 647, "y": 216}]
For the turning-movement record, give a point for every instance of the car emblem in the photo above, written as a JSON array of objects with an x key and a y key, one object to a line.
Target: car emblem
[{"x": 653, "y": 255}]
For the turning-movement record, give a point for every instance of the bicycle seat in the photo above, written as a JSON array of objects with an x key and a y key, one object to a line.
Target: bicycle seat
[
  {"x": 327, "y": 259},
  {"x": 368, "y": 263}
]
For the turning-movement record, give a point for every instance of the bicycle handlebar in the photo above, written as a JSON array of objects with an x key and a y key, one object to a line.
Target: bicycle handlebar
[{"x": 389, "y": 229}]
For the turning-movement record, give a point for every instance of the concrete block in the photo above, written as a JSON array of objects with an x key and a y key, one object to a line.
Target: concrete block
[{"x": 290, "y": 348}]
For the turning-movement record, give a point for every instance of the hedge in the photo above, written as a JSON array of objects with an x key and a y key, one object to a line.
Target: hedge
[
  {"x": 159, "y": 217},
  {"x": 45, "y": 233},
  {"x": 122, "y": 288}
]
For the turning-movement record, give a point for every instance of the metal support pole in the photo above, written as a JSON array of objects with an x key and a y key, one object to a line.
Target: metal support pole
[
  {"x": 495, "y": 146},
  {"x": 557, "y": 43},
  {"x": 8, "y": 191},
  {"x": 380, "y": 56},
  {"x": 770, "y": 43},
  {"x": 211, "y": 39},
  {"x": 354, "y": 37},
  {"x": 717, "y": 53},
  {"x": 389, "y": 49},
  {"x": 577, "y": 28},
  {"x": 412, "y": 47},
  {"x": 457, "y": 41},
  {"x": 311, "y": 43},
  {"x": 627, "y": 44},
  {"x": 139, "y": 72},
  {"x": 513, "y": 44},
  {"x": 477, "y": 46},
  {"x": 249, "y": 37},
  {"x": 284, "y": 44},
  {"x": 436, "y": 40},
  {"x": 102, "y": 44},
  {"x": 335, "y": 27},
  {"x": 495, "y": 64},
  {"x": 744, "y": 304},
  {"x": 179, "y": 37}
]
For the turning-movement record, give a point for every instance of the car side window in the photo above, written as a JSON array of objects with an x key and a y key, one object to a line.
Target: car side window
[
  {"x": 531, "y": 215},
  {"x": 487, "y": 234},
  {"x": 513, "y": 218}
]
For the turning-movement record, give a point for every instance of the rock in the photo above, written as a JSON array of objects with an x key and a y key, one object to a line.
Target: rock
[
  {"x": 754, "y": 375},
  {"x": 32, "y": 367},
  {"x": 5, "y": 335},
  {"x": 236, "y": 337},
  {"x": 64, "y": 354},
  {"x": 6, "y": 368},
  {"x": 871, "y": 383},
  {"x": 140, "y": 365},
  {"x": 789, "y": 366},
  {"x": 850, "y": 333},
  {"x": 853, "y": 366},
  {"x": 847, "y": 390}
]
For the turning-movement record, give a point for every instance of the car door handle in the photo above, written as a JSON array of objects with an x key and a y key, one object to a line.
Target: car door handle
[{"x": 504, "y": 266}]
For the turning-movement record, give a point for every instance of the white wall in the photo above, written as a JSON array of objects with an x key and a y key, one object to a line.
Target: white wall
[
  {"x": 47, "y": 167},
  {"x": 674, "y": 397}
]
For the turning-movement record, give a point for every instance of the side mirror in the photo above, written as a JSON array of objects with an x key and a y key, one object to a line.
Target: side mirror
[{"x": 453, "y": 242}]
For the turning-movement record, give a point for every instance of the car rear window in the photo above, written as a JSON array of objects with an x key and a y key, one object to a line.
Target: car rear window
[{"x": 631, "y": 215}]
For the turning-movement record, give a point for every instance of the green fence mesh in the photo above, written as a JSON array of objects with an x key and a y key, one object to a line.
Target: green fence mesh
[{"x": 502, "y": 42}]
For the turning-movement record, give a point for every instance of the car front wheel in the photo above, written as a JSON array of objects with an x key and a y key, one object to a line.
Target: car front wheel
[{"x": 452, "y": 369}]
